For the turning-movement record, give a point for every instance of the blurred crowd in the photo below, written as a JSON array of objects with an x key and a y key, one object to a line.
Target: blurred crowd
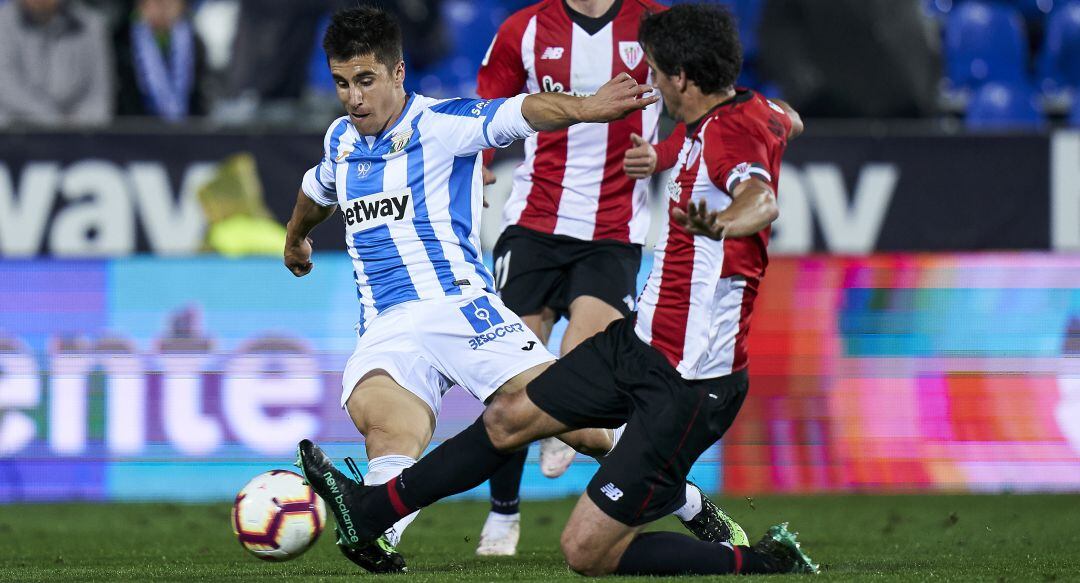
[{"x": 991, "y": 63}]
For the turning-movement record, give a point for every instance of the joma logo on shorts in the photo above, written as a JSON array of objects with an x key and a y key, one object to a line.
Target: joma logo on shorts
[
  {"x": 378, "y": 209},
  {"x": 494, "y": 334}
]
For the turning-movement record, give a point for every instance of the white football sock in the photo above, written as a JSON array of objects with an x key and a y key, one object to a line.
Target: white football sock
[
  {"x": 380, "y": 471},
  {"x": 616, "y": 435},
  {"x": 497, "y": 517},
  {"x": 692, "y": 506}
]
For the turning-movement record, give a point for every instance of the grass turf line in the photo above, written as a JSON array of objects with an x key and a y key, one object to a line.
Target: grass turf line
[{"x": 857, "y": 538}]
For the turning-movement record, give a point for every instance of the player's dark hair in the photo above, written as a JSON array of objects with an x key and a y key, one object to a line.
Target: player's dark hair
[
  {"x": 700, "y": 39},
  {"x": 366, "y": 30}
]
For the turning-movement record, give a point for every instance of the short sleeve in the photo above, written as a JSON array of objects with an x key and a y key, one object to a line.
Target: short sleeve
[
  {"x": 501, "y": 72},
  {"x": 319, "y": 182},
  {"x": 734, "y": 155},
  {"x": 467, "y": 126}
]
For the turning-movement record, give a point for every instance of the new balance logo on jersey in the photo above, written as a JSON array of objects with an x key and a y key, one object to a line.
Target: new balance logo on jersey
[
  {"x": 552, "y": 54},
  {"x": 374, "y": 210},
  {"x": 611, "y": 491}
]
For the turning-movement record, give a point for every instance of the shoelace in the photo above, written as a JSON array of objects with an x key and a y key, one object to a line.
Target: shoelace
[{"x": 351, "y": 464}]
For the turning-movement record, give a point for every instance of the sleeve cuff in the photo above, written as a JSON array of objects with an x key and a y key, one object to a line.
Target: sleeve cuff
[
  {"x": 507, "y": 124},
  {"x": 314, "y": 190}
]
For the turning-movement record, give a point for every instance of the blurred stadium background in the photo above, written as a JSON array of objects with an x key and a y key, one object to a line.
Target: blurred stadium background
[{"x": 919, "y": 329}]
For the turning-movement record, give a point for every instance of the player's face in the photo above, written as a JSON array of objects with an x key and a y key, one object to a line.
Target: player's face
[
  {"x": 372, "y": 94},
  {"x": 668, "y": 87}
]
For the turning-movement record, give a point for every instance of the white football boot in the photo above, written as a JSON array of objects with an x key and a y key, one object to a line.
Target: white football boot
[
  {"x": 555, "y": 457},
  {"x": 500, "y": 535}
]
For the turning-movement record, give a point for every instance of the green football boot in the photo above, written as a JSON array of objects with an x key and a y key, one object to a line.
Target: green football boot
[
  {"x": 371, "y": 551},
  {"x": 713, "y": 525},
  {"x": 783, "y": 553}
]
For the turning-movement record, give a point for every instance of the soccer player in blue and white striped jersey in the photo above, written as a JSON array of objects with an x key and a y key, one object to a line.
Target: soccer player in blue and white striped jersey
[{"x": 405, "y": 171}]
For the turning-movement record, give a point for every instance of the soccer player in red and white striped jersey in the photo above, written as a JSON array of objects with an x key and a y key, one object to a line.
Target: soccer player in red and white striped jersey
[
  {"x": 677, "y": 373},
  {"x": 572, "y": 181},
  {"x": 575, "y": 221}
]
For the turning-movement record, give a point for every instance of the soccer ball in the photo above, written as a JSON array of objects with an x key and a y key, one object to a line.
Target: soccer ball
[{"x": 277, "y": 516}]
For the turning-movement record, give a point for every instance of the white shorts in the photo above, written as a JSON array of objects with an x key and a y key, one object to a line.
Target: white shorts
[{"x": 428, "y": 346}]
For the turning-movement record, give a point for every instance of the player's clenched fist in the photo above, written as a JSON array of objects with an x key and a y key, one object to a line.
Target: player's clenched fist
[
  {"x": 640, "y": 160},
  {"x": 298, "y": 257}
]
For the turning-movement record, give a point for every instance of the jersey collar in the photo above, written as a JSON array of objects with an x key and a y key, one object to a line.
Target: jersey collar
[{"x": 742, "y": 95}]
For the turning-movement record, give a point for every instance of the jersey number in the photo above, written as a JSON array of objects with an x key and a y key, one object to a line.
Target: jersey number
[{"x": 502, "y": 270}]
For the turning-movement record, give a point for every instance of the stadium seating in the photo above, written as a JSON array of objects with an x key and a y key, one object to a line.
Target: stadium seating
[
  {"x": 1034, "y": 10},
  {"x": 985, "y": 42},
  {"x": 1059, "y": 63},
  {"x": 1074, "y": 116},
  {"x": 471, "y": 26},
  {"x": 1003, "y": 106},
  {"x": 319, "y": 78}
]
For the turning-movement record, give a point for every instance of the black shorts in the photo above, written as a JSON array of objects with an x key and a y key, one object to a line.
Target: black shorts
[
  {"x": 615, "y": 378},
  {"x": 534, "y": 270}
]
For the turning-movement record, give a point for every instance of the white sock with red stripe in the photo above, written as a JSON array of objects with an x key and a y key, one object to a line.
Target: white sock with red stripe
[{"x": 380, "y": 471}]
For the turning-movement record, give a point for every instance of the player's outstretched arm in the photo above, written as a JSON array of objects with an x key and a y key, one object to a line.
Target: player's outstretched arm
[
  {"x": 753, "y": 209},
  {"x": 306, "y": 214},
  {"x": 614, "y": 100}
]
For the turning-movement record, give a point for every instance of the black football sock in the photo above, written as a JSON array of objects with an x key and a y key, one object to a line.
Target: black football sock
[
  {"x": 670, "y": 553},
  {"x": 459, "y": 464},
  {"x": 506, "y": 484}
]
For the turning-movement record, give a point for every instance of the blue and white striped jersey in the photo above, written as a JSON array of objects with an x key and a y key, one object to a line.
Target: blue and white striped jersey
[{"x": 411, "y": 197}]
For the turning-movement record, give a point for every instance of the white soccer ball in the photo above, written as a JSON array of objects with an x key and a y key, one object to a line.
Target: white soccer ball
[{"x": 277, "y": 517}]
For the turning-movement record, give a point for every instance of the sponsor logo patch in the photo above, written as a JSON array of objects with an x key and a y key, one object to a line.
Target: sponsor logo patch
[
  {"x": 487, "y": 322},
  {"x": 674, "y": 191},
  {"x": 481, "y": 314},
  {"x": 494, "y": 334},
  {"x": 376, "y": 210}
]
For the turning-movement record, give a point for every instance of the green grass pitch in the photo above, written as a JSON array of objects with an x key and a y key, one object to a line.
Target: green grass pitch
[{"x": 856, "y": 538}]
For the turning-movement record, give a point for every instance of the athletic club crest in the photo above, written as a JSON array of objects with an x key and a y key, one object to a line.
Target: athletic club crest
[{"x": 631, "y": 54}]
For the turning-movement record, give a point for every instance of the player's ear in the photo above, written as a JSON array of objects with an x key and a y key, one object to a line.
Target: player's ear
[
  {"x": 681, "y": 82},
  {"x": 398, "y": 73}
]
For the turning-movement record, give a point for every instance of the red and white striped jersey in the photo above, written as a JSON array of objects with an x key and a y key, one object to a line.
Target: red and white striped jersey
[
  {"x": 695, "y": 308},
  {"x": 572, "y": 181}
]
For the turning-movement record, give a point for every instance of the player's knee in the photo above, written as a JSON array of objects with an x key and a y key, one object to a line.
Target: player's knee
[
  {"x": 503, "y": 420},
  {"x": 581, "y": 557},
  {"x": 393, "y": 436}
]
